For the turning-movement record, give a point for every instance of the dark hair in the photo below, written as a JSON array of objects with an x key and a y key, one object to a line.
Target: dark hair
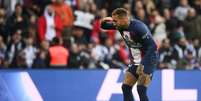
[
  {"x": 120, "y": 12},
  {"x": 18, "y": 5},
  {"x": 55, "y": 41}
]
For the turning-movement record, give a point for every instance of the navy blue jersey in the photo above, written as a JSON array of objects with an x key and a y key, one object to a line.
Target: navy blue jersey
[{"x": 139, "y": 41}]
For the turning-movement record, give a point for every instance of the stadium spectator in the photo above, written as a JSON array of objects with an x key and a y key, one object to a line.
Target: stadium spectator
[
  {"x": 20, "y": 61},
  {"x": 58, "y": 55},
  {"x": 75, "y": 4},
  {"x": 84, "y": 3},
  {"x": 121, "y": 57},
  {"x": 49, "y": 25},
  {"x": 137, "y": 5},
  {"x": 158, "y": 27},
  {"x": 37, "y": 6},
  {"x": 15, "y": 46},
  {"x": 85, "y": 56},
  {"x": 96, "y": 31},
  {"x": 33, "y": 20},
  {"x": 141, "y": 15},
  {"x": 182, "y": 10},
  {"x": 176, "y": 34},
  {"x": 166, "y": 53},
  {"x": 197, "y": 6},
  {"x": 41, "y": 60},
  {"x": 29, "y": 51},
  {"x": 84, "y": 19},
  {"x": 32, "y": 32},
  {"x": 179, "y": 47},
  {"x": 78, "y": 35},
  {"x": 149, "y": 5},
  {"x": 17, "y": 20},
  {"x": 74, "y": 58},
  {"x": 128, "y": 7},
  {"x": 171, "y": 23},
  {"x": 189, "y": 61},
  {"x": 99, "y": 52},
  {"x": 192, "y": 25},
  {"x": 10, "y": 5},
  {"x": 64, "y": 11},
  {"x": 109, "y": 43},
  {"x": 80, "y": 57}
]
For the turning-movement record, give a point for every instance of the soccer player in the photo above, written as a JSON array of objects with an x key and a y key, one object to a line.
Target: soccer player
[{"x": 143, "y": 52}]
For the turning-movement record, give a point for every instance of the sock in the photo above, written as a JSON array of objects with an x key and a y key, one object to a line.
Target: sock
[
  {"x": 142, "y": 91},
  {"x": 127, "y": 92}
]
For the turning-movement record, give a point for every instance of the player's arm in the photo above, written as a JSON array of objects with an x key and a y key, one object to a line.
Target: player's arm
[
  {"x": 107, "y": 23},
  {"x": 148, "y": 42}
]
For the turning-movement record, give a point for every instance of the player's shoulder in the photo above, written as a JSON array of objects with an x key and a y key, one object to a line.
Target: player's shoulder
[
  {"x": 138, "y": 26},
  {"x": 138, "y": 23}
]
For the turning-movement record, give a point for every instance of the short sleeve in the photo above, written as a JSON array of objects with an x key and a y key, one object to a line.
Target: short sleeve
[{"x": 142, "y": 31}]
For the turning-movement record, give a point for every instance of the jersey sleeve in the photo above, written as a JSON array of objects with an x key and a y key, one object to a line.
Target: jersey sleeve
[
  {"x": 148, "y": 43},
  {"x": 141, "y": 30},
  {"x": 108, "y": 25}
]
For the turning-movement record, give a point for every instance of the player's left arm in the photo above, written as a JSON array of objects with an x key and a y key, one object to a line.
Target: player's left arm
[{"x": 148, "y": 42}]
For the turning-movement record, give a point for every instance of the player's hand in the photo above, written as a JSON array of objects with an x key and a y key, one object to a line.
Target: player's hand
[
  {"x": 106, "y": 19},
  {"x": 107, "y": 23},
  {"x": 140, "y": 69}
]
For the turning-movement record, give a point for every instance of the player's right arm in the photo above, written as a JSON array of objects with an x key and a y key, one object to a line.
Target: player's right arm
[{"x": 107, "y": 23}]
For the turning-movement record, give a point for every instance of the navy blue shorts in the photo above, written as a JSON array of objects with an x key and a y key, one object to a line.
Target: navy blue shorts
[{"x": 149, "y": 62}]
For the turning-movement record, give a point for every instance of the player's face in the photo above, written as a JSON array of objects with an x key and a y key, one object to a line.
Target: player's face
[{"x": 121, "y": 22}]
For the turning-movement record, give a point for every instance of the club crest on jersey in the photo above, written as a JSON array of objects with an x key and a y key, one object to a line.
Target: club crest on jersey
[
  {"x": 126, "y": 35},
  {"x": 131, "y": 43}
]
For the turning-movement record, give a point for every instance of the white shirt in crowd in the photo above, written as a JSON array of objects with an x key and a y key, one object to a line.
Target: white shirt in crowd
[
  {"x": 50, "y": 31},
  {"x": 181, "y": 12},
  {"x": 84, "y": 19},
  {"x": 99, "y": 52},
  {"x": 30, "y": 55}
]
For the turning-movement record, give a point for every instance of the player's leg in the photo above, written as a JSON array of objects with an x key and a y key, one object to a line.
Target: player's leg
[
  {"x": 145, "y": 76},
  {"x": 143, "y": 82},
  {"x": 149, "y": 65},
  {"x": 129, "y": 81},
  {"x": 130, "y": 78}
]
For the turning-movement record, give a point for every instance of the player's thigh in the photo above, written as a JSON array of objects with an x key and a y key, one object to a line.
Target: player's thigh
[
  {"x": 129, "y": 79},
  {"x": 149, "y": 68},
  {"x": 146, "y": 76},
  {"x": 144, "y": 79},
  {"x": 150, "y": 62}
]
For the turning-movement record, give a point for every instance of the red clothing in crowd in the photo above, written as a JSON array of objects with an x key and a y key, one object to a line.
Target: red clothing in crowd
[
  {"x": 58, "y": 56},
  {"x": 42, "y": 27},
  {"x": 97, "y": 29},
  {"x": 65, "y": 12},
  {"x": 123, "y": 55}
]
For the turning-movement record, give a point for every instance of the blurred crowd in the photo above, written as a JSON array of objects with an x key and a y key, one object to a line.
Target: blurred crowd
[{"x": 67, "y": 33}]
